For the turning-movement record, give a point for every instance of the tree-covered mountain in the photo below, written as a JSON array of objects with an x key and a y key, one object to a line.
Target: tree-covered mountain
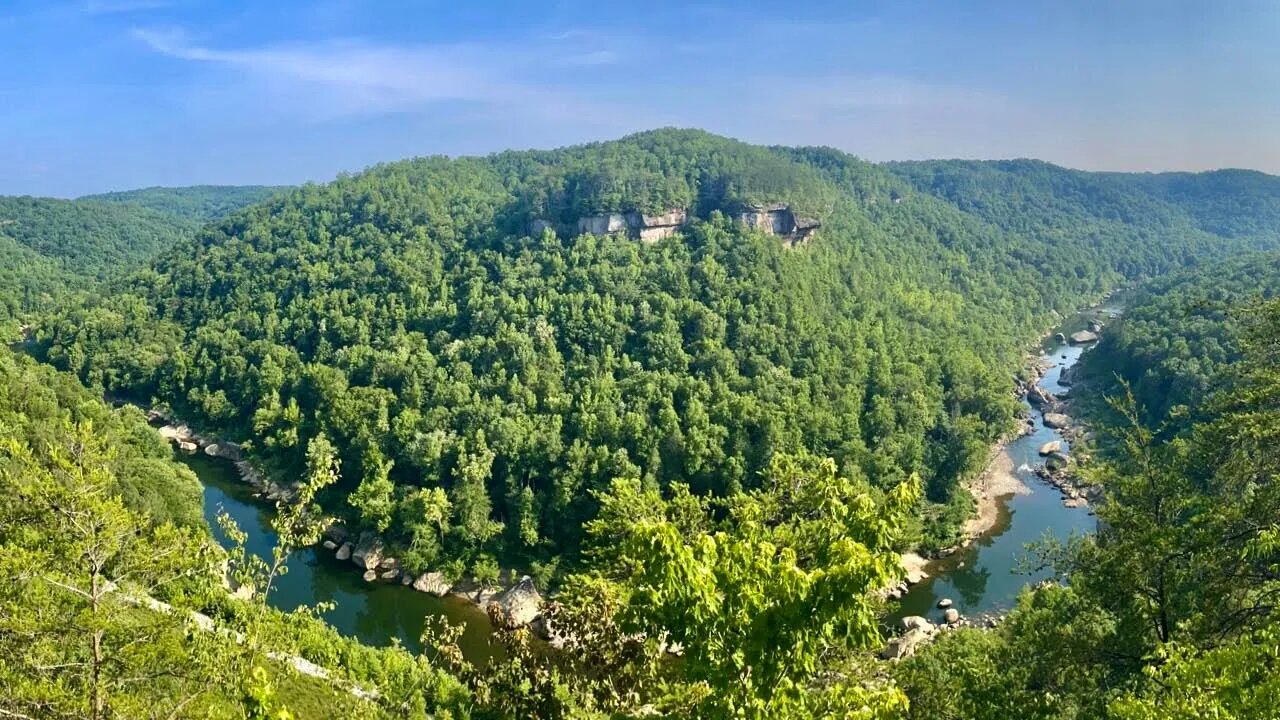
[
  {"x": 445, "y": 325},
  {"x": 197, "y": 203},
  {"x": 49, "y": 246},
  {"x": 1178, "y": 334}
]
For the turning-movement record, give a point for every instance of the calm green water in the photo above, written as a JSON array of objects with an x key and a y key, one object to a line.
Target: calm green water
[
  {"x": 983, "y": 578},
  {"x": 374, "y": 613}
]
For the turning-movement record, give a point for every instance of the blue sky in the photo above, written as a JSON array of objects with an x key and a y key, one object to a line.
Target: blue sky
[{"x": 110, "y": 94}]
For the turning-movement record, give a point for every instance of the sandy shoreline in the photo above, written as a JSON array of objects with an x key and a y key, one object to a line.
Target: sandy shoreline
[{"x": 996, "y": 482}]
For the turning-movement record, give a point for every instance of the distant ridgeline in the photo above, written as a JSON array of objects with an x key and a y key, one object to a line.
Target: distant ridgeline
[
  {"x": 50, "y": 246},
  {"x": 494, "y": 328}
]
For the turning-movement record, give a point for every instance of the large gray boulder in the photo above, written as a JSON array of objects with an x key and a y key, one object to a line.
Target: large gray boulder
[
  {"x": 518, "y": 604},
  {"x": 1083, "y": 337},
  {"x": 433, "y": 583},
  {"x": 906, "y": 644},
  {"x": 1051, "y": 447},
  {"x": 344, "y": 552},
  {"x": 951, "y": 616},
  {"x": 1057, "y": 421},
  {"x": 368, "y": 552},
  {"x": 1039, "y": 397}
]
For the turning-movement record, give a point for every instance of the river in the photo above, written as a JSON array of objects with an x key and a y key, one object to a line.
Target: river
[
  {"x": 374, "y": 613},
  {"x": 983, "y": 578}
]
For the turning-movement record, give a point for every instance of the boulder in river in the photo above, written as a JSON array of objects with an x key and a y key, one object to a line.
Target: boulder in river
[
  {"x": 368, "y": 552},
  {"x": 1057, "y": 460},
  {"x": 433, "y": 583},
  {"x": 370, "y": 575},
  {"x": 329, "y": 545},
  {"x": 344, "y": 552},
  {"x": 1060, "y": 338},
  {"x": 187, "y": 447},
  {"x": 1052, "y": 446},
  {"x": 1083, "y": 337},
  {"x": 1057, "y": 421},
  {"x": 518, "y": 605},
  {"x": 945, "y": 603},
  {"x": 951, "y": 616},
  {"x": 912, "y": 622},
  {"x": 1039, "y": 397}
]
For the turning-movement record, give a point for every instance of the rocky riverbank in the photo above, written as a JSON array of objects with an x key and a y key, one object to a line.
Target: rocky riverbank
[
  {"x": 513, "y": 602},
  {"x": 1062, "y": 447}
]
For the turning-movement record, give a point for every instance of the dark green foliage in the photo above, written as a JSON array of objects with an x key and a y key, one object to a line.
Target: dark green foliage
[
  {"x": 405, "y": 313},
  {"x": 89, "y": 239},
  {"x": 1178, "y": 334},
  {"x": 198, "y": 203},
  {"x": 38, "y": 404}
]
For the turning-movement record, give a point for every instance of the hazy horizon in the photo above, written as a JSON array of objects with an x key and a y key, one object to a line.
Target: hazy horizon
[{"x": 107, "y": 95}]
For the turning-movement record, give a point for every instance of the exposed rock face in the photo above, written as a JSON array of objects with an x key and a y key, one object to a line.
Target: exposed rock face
[
  {"x": 1083, "y": 337},
  {"x": 602, "y": 224},
  {"x": 1057, "y": 421},
  {"x": 778, "y": 219},
  {"x": 646, "y": 228},
  {"x": 433, "y": 583},
  {"x": 368, "y": 552},
  {"x": 518, "y": 605},
  {"x": 1051, "y": 447}
]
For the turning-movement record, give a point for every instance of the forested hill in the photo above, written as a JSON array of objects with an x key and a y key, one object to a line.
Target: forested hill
[
  {"x": 196, "y": 203},
  {"x": 49, "y": 246},
  {"x": 1056, "y": 205},
  {"x": 447, "y": 324}
]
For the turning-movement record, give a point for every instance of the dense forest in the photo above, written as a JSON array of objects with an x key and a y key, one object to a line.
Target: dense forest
[
  {"x": 407, "y": 314},
  {"x": 197, "y": 203},
  {"x": 1177, "y": 335},
  {"x": 712, "y": 444},
  {"x": 49, "y": 247}
]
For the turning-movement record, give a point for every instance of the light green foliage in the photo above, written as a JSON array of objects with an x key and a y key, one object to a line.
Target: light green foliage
[
  {"x": 77, "y": 633},
  {"x": 761, "y": 602}
]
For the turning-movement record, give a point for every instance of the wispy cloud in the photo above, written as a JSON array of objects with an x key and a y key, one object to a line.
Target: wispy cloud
[
  {"x": 116, "y": 7},
  {"x": 326, "y": 79},
  {"x": 358, "y": 77}
]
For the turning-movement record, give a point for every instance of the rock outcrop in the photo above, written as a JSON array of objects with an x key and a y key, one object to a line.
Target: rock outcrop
[
  {"x": 778, "y": 219},
  {"x": 518, "y": 605},
  {"x": 643, "y": 227},
  {"x": 1083, "y": 337},
  {"x": 1051, "y": 447}
]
